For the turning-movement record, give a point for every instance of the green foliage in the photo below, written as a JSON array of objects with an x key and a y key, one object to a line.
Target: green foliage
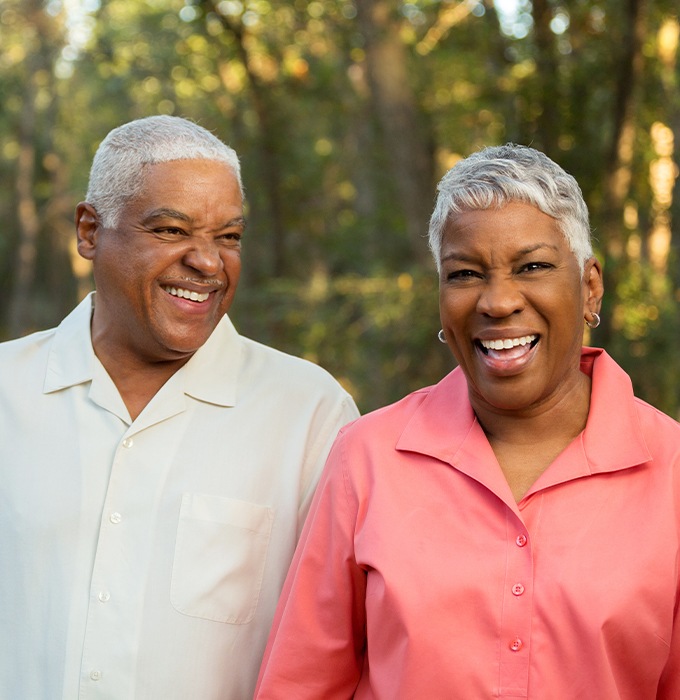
[
  {"x": 377, "y": 335},
  {"x": 331, "y": 270}
]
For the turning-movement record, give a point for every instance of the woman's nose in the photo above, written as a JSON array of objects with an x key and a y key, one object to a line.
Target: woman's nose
[{"x": 500, "y": 297}]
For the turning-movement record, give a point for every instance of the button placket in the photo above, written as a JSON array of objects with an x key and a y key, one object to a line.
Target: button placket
[{"x": 517, "y": 610}]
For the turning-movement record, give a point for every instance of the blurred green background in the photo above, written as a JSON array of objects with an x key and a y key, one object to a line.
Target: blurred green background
[{"x": 345, "y": 114}]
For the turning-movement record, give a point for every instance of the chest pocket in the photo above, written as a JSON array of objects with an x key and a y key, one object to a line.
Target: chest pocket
[{"x": 220, "y": 556}]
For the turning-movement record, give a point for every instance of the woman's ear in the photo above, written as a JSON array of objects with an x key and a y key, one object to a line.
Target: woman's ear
[
  {"x": 594, "y": 288},
  {"x": 87, "y": 229}
]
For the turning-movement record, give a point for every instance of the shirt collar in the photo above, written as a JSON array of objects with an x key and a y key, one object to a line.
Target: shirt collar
[
  {"x": 613, "y": 437},
  {"x": 444, "y": 426},
  {"x": 71, "y": 357},
  {"x": 211, "y": 375},
  {"x": 442, "y": 421}
]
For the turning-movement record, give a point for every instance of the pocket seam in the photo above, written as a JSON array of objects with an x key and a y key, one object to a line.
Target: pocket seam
[{"x": 183, "y": 545}]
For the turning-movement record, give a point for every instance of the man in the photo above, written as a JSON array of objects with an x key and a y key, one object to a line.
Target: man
[{"x": 155, "y": 466}]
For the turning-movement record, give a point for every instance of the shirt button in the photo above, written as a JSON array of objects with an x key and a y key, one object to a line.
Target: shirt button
[
  {"x": 95, "y": 675},
  {"x": 104, "y": 596},
  {"x": 521, "y": 540},
  {"x": 115, "y": 518},
  {"x": 516, "y": 644},
  {"x": 128, "y": 443},
  {"x": 518, "y": 589}
]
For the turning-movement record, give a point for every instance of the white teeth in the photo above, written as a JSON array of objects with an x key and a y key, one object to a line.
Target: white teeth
[
  {"x": 507, "y": 343},
  {"x": 186, "y": 294}
]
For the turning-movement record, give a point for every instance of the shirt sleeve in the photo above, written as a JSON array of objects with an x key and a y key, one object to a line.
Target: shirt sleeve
[
  {"x": 344, "y": 412},
  {"x": 316, "y": 646}
]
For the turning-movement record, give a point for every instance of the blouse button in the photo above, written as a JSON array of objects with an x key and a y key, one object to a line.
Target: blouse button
[
  {"x": 518, "y": 589},
  {"x": 521, "y": 540},
  {"x": 516, "y": 644}
]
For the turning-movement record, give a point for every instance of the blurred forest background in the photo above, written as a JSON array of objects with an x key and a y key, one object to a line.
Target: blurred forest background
[{"x": 345, "y": 114}]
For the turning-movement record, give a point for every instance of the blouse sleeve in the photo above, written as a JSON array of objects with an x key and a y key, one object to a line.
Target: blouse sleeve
[{"x": 316, "y": 645}]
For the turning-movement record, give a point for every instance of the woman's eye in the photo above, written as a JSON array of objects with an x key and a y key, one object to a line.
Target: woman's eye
[
  {"x": 462, "y": 275},
  {"x": 529, "y": 267}
]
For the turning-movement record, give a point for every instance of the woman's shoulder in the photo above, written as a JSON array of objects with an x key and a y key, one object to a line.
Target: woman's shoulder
[
  {"x": 386, "y": 422},
  {"x": 653, "y": 419}
]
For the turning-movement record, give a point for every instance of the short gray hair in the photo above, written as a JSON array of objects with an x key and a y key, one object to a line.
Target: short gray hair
[
  {"x": 499, "y": 175},
  {"x": 117, "y": 173}
]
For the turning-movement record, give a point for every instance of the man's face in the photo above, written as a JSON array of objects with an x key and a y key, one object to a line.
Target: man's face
[{"x": 167, "y": 273}]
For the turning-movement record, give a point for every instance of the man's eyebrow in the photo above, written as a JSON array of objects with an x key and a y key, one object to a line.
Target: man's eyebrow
[
  {"x": 238, "y": 221},
  {"x": 164, "y": 213}
]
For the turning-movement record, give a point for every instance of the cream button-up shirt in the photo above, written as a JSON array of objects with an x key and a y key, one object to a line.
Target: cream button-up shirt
[{"x": 142, "y": 560}]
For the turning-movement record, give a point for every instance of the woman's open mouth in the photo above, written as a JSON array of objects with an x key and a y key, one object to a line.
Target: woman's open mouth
[
  {"x": 504, "y": 344},
  {"x": 507, "y": 356}
]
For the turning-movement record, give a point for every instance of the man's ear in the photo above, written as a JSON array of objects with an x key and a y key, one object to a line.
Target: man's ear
[
  {"x": 594, "y": 284},
  {"x": 88, "y": 227}
]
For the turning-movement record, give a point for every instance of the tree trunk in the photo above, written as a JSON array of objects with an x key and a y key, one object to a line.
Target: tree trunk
[
  {"x": 396, "y": 109},
  {"x": 618, "y": 172},
  {"x": 270, "y": 169},
  {"x": 27, "y": 213},
  {"x": 548, "y": 81}
]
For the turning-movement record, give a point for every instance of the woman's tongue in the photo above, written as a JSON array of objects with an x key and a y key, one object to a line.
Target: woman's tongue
[{"x": 512, "y": 353}]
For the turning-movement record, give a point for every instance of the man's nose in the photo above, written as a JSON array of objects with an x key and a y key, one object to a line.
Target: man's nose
[{"x": 204, "y": 256}]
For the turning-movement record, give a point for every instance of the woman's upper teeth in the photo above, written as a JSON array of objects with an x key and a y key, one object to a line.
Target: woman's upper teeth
[
  {"x": 187, "y": 294},
  {"x": 507, "y": 343}
]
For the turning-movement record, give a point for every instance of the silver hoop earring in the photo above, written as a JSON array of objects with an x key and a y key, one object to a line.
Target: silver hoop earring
[
  {"x": 595, "y": 322},
  {"x": 441, "y": 337}
]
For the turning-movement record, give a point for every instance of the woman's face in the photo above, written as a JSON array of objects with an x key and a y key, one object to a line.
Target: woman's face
[{"x": 512, "y": 303}]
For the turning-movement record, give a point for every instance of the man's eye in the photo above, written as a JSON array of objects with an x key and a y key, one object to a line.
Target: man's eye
[
  {"x": 170, "y": 231},
  {"x": 231, "y": 237}
]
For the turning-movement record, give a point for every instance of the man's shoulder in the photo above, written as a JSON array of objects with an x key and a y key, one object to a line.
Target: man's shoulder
[
  {"x": 18, "y": 351},
  {"x": 23, "y": 363},
  {"x": 269, "y": 363}
]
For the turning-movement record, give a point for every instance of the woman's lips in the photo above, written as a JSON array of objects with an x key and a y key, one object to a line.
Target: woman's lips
[
  {"x": 507, "y": 343},
  {"x": 507, "y": 355}
]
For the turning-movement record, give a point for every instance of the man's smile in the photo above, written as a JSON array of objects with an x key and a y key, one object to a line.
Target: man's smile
[{"x": 186, "y": 293}]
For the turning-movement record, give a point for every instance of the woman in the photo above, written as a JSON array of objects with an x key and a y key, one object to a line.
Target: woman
[{"x": 513, "y": 531}]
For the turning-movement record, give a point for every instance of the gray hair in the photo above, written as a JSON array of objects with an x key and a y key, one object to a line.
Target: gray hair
[
  {"x": 499, "y": 175},
  {"x": 117, "y": 173}
]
